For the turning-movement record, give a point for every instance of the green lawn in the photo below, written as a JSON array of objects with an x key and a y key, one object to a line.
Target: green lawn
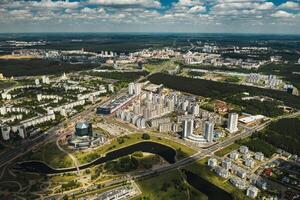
[
  {"x": 227, "y": 150},
  {"x": 168, "y": 186},
  {"x": 50, "y": 154},
  {"x": 160, "y": 66},
  {"x": 6, "y": 84},
  {"x": 89, "y": 155}
]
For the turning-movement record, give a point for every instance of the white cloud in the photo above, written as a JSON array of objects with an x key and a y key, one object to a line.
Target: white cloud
[
  {"x": 291, "y": 5},
  {"x": 197, "y": 9},
  {"x": 282, "y": 14},
  {"x": 141, "y": 3},
  {"x": 265, "y": 6}
]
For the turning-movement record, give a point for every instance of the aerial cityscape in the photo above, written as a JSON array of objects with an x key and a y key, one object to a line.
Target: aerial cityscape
[{"x": 150, "y": 99}]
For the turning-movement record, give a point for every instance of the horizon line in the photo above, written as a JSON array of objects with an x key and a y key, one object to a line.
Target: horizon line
[{"x": 133, "y": 32}]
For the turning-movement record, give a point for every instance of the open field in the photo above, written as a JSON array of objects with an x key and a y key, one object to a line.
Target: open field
[
  {"x": 160, "y": 65},
  {"x": 6, "y": 84},
  {"x": 12, "y": 57}
]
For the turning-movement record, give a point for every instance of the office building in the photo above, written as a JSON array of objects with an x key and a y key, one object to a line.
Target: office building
[
  {"x": 209, "y": 131},
  {"x": 188, "y": 127},
  {"x": 131, "y": 88},
  {"x": 232, "y": 122}
]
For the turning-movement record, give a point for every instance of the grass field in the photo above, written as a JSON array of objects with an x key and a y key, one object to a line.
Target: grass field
[
  {"x": 227, "y": 150},
  {"x": 168, "y": 186},
  {"x": 160, "y": 66},
  {"x": 88, "y": 156},
  {"x": 6, "y": 84},
  {"x": 50, "y": 154}
]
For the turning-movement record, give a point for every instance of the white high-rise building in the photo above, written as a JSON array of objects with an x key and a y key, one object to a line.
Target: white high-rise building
[
  {"x": 232, "y": 122},
  {"x": 209, "y": 131},
  {"x": 137, "y": 88},
  {"x": 131, "y": 88},
  {"x": 188, "y": 127},
  {"x": 196, "y": 110}
]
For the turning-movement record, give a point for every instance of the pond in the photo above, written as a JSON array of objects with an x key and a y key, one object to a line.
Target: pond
[{"x": 164, "y": 151}]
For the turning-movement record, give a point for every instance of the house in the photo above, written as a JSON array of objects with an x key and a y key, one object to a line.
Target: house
[
  {"x": 226, "y": 164},
  {"x": 212, "y": 162},
  {"x": 222, "y": 172},
  {"x": 252, "y": 192},
  {"x": 244, "y": 149},
  {"x": 249, "y": 162},
  {"x": 259, "y": 156},
  {"x": 234, "y": 155}
]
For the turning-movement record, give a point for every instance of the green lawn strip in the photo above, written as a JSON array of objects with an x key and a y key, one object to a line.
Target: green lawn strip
[{"x": 227, "y": 150}]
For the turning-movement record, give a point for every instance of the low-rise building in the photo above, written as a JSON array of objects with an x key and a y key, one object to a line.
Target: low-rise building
[
  {"x": 249, "y": 162},
  {"x": 252, "y": 192},
  {"x": 259, "y": 156},
  {"x": 239, "y": 183},
  {"x": 244, "y": 149},
  {"x": 226, "y": 164},
  {"x": 234, "y": 155},
  {"x": 222, "y": 172},
  {"x": 212, "y": 162}
]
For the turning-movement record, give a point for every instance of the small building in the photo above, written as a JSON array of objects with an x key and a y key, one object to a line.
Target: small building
[
  {"x": 226, "y": 164},
  {"x": 252, "y": 192},
  {"x": 241, "y": 173},
  {"x": 244, "y": 149},
  {"x": 268, "y": 171},
  {"x": 239, "y": 183},
  {"x": 222, "y": 172},
  {"x": 249, "y": 162},
  {"x": 234, "y": 155},
  {"x": 212, "y": 162},
  {"x": 259, "y": 156}
]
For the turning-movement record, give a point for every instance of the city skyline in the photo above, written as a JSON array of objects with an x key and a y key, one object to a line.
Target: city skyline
[{"x": 195, "y": 16}]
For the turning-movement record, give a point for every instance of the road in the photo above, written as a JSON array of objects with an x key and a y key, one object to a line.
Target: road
[{"x": 49, "y": 135}]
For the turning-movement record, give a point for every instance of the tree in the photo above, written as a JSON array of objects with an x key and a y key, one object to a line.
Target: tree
[{"x": 146, "y": 136}]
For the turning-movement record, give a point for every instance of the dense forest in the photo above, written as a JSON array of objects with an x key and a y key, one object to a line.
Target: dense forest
[
  {"x": 219, "y": 90},
  {"x": 34, "y": 67},
  {"x": 284, "y": 134},
  {"x": 258, "y": 145}
]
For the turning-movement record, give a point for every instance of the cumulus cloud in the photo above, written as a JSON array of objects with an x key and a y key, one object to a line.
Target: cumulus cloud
[
  {"x": 282, "y": 14},
  {"x": 136, "y": 12},
  {"x": 291, "y": 5},
  {"x": 142, "y": 3}
]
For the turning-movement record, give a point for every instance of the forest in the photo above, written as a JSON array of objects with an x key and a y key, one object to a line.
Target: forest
[
  {"x": 284, "y": 134},
  {"x": 218, "y": 90}
]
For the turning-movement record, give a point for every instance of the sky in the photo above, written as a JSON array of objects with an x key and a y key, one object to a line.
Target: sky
[{"x": 200, "y": 16}]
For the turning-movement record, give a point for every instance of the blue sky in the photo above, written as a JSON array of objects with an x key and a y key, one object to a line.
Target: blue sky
[{"x": 221, "y": 16}]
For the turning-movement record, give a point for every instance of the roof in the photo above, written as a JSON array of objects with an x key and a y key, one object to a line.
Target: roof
[{"x": 82, "y": 125}]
